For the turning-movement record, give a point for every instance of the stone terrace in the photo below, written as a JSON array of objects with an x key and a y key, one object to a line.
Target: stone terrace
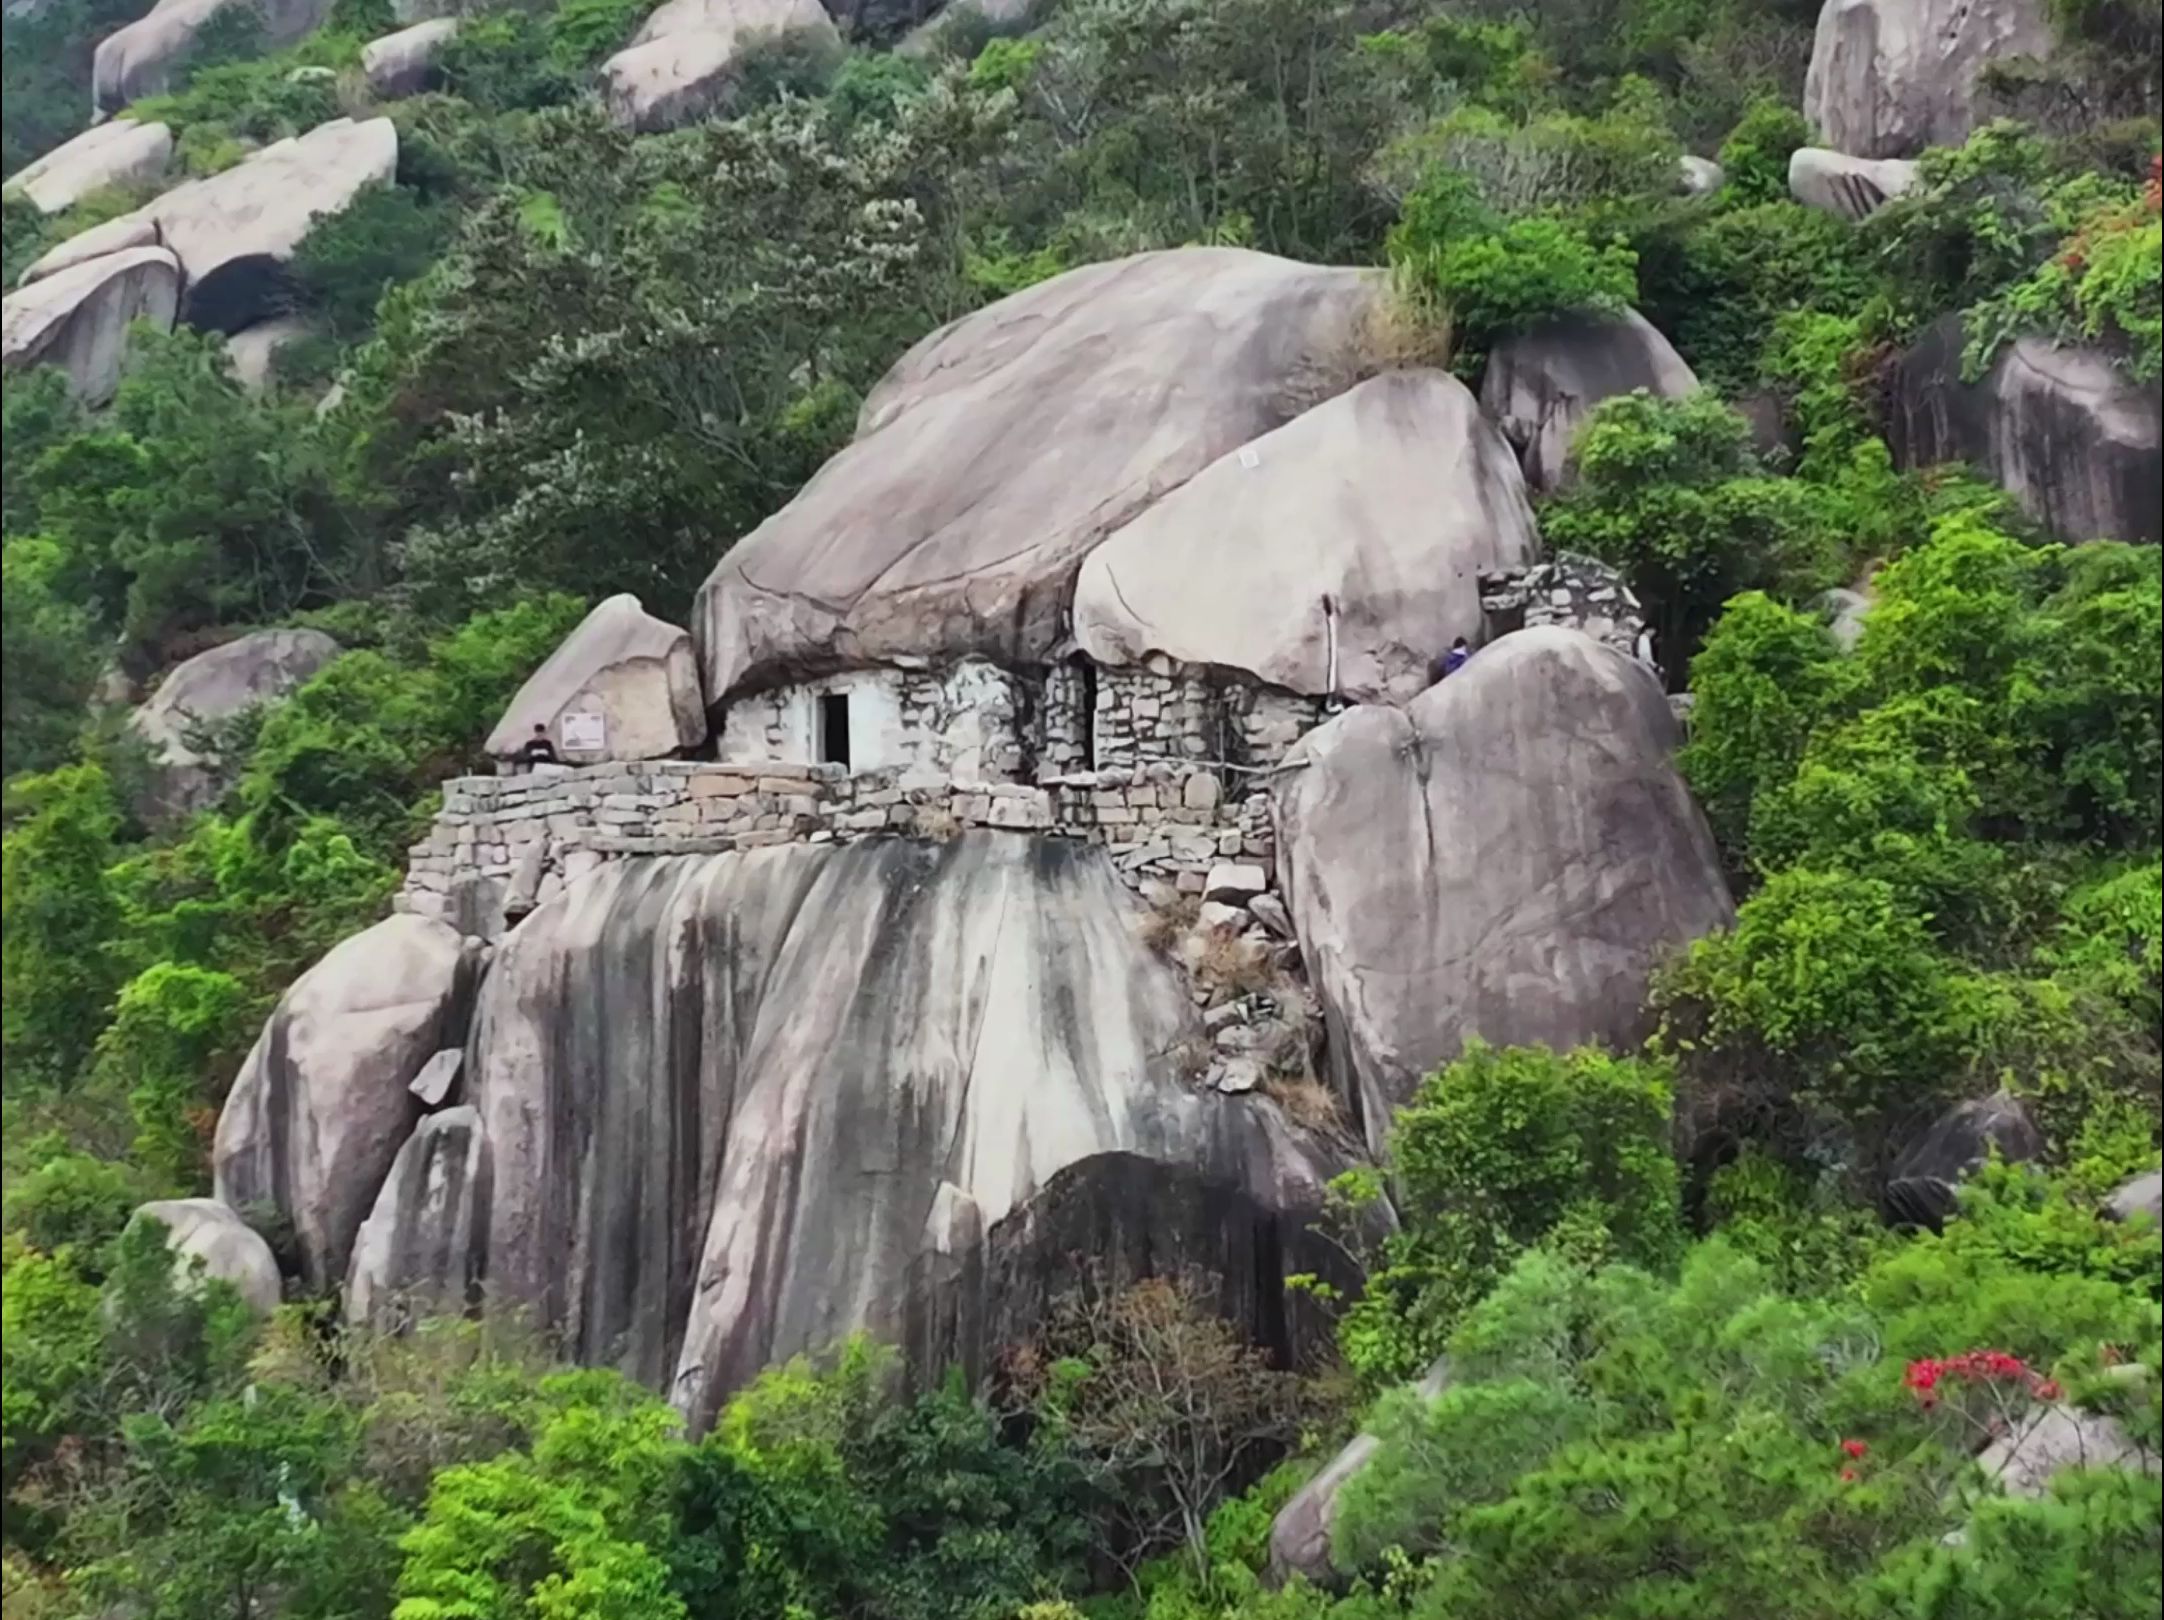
[{"x": 1166, "y": 823}]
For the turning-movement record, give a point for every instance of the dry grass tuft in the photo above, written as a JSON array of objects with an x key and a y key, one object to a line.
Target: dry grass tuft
[
  {"x": 1307, "y": 1102},
  {"x": 1163, "y": 927}
]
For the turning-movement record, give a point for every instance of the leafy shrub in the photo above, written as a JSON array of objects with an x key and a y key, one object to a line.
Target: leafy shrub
[
  {"x": 1754, "y": 158},
  {"x": 1503, "y": 1151},
  {"x": 2103, "y": 285},
  {"x": 1669, "y": 491}
]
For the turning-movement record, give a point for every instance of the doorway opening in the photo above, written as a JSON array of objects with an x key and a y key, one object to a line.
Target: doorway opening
[{"x": 834, "y": 729}]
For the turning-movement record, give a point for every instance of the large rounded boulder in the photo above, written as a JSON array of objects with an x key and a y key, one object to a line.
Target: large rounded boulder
[
  {"x": 632, "y": 680},
  {"x": 78, "y": 319},
  {"x": 688, "y": 54},
  {"x": 1002, "y": 449},
  {"x": 2062, "y": 429},
  {"x": 1333, "y": 555},
  {"x": 139, "y": 60},
  {"x": 210, "y": 1240},
  {"x": 322, "y": 1104},
  {"x": 215, "y": 686},
  {"x": 733, "y": 1107},
  {"x": 1507, "y": 857},
  {"x": 235, "y": 232},
  {"x": 1541, "y": 385},
  {"x": 1891, "y": 77},
  {"x": 120, "y": 152}
]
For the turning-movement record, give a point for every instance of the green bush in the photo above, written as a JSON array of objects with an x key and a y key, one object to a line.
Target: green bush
[
  {"x": 1668, "y": 490},
  {"x": 1754, "y": 158},
  {"x": 1503, "y": 1151}
]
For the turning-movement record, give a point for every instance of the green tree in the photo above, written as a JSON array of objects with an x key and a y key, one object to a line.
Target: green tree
[
  {"x": 1502, "y": 1151},
  {"x": 57, "y": 917}
]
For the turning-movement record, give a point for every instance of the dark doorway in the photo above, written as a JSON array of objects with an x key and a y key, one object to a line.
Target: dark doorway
[
  {"x": 834, "y": 729},
  {"x": 1086, "y": 701}
]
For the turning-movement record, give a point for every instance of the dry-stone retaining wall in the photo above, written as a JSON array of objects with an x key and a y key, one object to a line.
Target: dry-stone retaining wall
[
  {"x": 1162, "y": 711},
  {"x": 1162, "y": 823},
  {"x": 1578, "y": 593}
]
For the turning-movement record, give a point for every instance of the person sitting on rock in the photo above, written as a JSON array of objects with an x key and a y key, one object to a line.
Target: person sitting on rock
[
  {"x": 537, "y": 749},
  {"x": 1452, "y": 661},
  {"x": 1649, "y": 649}
]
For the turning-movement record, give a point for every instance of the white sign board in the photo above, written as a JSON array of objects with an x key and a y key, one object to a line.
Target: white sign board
[{"x": 584, "y": 733}]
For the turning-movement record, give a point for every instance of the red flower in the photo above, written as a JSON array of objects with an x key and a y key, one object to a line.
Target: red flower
[
  {"x": 1848, "y": 1476},
  {"x": 2048, "y": 1390},
  {"x": 1855, "y": 1448}
]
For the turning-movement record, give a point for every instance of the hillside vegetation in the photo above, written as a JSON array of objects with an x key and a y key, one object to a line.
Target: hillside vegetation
[{"x": 1694, "y": 1373}]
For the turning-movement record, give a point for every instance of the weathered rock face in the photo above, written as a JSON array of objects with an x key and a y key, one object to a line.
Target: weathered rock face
[
  {"x": 1339, "y": 553},
  {"x": 234, "y": 232},
  {"x": 138, "y": 60},
  {"x": 1844, "y": 611},
  {"x": 1850, "y": 188},
  {"x": 119, "y": 153},
  {"x": 209, "y": 1239},
  {"x": 2063, "y": 431},
  {"x": 2139, "y": 1199},
  {"x": 402, "y": 64},
  {"x": 418, "y": 1251},
  {"x": 638, "y": 674},
  {"x": 260, "y": 667},
  {"x": 1506, "y": 857},
  {"x": 321, "y": 1106},
  {"x": 2054, "y": 1438},
  {"x": 1002, "y": 448},
  {"x": 1540, "y": 386},
  {"x": 684, "y": 58},
  {"x": 735, "y": 1106},
  {"x": 114, "y": 236},
  {"x": 251, "y": 355},
  {"x": 1300, "y": 1534},
  {"x": 1699, "y": 177},
  {"x": 78, "y": 319},
  {"x": 1923, "y": 1187},
  {"x": 1891, "y": 77}
]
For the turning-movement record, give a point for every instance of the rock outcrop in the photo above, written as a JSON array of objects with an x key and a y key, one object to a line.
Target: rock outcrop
[
  {"x": 2063, "y": 430},
  {"x": 1336, "y": 554},
  {"x": 1505, "y": 857},
  {"x": 631, "y": 676},
  {"x": 2142, "y": 1198},
  {"x": 403, "y": 63},
  {"x": 257, "y": 668},
  {"x": 685, "y": 58},
  {"x": 418, "y": 1251},
  {"x": 1300, "y": 1534},
  {"x": 1850, "y": 188},
  {"x": 138, "y": 60},
  {"x": 1891, "y": 77},
  {"x": 1923, "y": 1187},
  {"x": 736, "y": 1106},
  {"x": 1844, "y": 611},
  {"x": 252, "y": 355},
  {"x": 2051, "y": 1439},
  {"x": 1000, "y": 450},
  {"x": 209, "y": 1239},
  {"x": 119, "y": 153},
  {"x": 322, "y": 1106},
  {"x": 235, "y": 231},
  {"x": 1540, "y": 386},
  {"x": 1699, "y": 177},
  {"x": 78, "y": 320}
]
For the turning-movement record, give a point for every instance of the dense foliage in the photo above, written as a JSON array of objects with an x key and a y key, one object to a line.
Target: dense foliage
[{"x": 1689, "y": 1370}]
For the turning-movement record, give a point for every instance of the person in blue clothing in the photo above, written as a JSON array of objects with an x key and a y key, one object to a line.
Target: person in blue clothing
[{"x": 1452, "y": 661}]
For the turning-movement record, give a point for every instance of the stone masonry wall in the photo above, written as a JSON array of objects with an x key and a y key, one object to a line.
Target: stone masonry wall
[
  {"x": 1161, "y": 823},
  {"x": 964, "y": 722},
  {"x": 1163, "y": 711},
  {"x": 1579, "y": 593}
]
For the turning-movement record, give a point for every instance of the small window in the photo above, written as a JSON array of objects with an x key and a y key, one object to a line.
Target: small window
[{"x": 834, "y": 729}]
